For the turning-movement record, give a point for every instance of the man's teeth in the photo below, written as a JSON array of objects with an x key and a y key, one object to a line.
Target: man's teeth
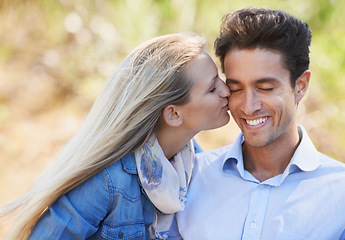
[{"x": 256, "y": 121}]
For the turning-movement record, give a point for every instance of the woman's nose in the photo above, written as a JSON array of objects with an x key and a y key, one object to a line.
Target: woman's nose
[{"x": 224, "y": 90}]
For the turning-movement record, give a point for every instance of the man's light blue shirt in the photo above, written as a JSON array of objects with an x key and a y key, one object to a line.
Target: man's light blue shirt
[{"x": 306, "y": 201}]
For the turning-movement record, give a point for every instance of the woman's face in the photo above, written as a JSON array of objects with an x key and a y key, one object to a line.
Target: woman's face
[{"x": 207, "y": 107}]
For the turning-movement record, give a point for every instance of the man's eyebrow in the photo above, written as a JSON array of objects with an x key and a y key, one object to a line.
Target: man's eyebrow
[
  {"x": 267, "y": 80},
  {"x": 262, "y": 80}
]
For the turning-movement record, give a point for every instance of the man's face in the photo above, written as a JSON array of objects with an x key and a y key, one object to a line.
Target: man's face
[{"x": 262, "y": 101}]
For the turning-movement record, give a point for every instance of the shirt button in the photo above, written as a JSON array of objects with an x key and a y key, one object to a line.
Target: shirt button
[
  {"x": 120, "y": 235},
  {"x": 253, "y": 225}
]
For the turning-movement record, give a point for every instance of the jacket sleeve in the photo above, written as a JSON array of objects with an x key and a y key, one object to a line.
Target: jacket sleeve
[{"x": 77, "y": 214}]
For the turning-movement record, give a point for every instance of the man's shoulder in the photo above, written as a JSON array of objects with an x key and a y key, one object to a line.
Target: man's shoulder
[
  {"x": 331, "y": 164},
  {"x": 211, "y": 157},
  {"x": 330, "y": 170},
  {"x": 214, "y": 154}
]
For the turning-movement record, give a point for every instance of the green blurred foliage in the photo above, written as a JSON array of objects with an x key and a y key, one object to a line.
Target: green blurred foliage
[{"x": 60, "y": 52}]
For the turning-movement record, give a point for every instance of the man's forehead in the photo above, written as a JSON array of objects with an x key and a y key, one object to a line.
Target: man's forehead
[{"x": 261, "y": 64}]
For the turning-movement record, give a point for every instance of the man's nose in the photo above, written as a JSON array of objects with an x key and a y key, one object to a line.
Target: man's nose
[{"x": 250, "y": 103}]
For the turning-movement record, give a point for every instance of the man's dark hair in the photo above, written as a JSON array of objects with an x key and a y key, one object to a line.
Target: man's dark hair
[{"x": 264, "y": 28}]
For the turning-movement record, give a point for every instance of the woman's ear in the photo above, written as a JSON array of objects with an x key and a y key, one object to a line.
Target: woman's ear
[
  {"x": 301, "y": 86},
  {"x": 172, "y": 116}
]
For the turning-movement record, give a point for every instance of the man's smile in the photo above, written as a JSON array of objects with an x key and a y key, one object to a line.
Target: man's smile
[{"x": 254, "y": 122}]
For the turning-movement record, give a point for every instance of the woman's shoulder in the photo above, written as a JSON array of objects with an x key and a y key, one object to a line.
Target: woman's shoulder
[
  {"x": 122, "y": 174},
  {"x": 88, "y": 204},
  {"x": 112, "y": 176},
  {"x": 125, "y": 166},
  {"x": 122, "y": 181}
]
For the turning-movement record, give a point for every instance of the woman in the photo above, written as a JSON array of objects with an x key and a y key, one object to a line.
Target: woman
[{"x": 126, "y": 172}]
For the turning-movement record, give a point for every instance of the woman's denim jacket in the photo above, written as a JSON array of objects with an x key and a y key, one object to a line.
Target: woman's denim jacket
[{"x": 109, "y": 205}]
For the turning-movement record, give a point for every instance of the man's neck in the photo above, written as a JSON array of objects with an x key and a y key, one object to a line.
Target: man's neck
[{"x": 269, "y": 161}]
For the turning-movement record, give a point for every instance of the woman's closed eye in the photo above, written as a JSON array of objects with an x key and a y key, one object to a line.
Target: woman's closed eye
[{"x": 213, "y": 89}]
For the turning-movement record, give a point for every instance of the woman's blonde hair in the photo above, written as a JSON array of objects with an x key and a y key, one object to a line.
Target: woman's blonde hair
[{"x": 120, "y": 121}]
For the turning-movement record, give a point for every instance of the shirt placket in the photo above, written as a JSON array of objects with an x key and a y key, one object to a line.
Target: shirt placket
[{"x": 256, "y": 212}]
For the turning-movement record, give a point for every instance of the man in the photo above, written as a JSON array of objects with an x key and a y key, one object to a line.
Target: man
[{"x": 271, "y": 183}]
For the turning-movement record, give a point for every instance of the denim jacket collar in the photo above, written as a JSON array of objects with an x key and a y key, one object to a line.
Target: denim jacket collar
[{"x": 129, "y": 164}]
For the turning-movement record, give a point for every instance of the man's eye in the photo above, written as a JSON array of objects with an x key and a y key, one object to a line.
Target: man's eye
[{"x": 266, "y": 89}]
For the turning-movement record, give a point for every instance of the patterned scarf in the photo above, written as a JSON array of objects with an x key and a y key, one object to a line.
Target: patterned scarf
[{"x": 165, "y": 182}]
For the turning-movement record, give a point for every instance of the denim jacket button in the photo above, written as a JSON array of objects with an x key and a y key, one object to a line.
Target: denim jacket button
[{"x": 120, "y": 235}]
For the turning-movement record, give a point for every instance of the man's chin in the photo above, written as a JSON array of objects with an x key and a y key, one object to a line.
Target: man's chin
[{"x": 255, "y": 141}]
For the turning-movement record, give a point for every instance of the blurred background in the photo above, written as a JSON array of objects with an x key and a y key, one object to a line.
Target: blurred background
[{"x": 55, "y": 56}]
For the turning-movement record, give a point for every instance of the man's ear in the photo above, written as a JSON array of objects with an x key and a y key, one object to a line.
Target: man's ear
[
  {"x": 172, "y": 116},
  {"x": 301, "y": 86}
]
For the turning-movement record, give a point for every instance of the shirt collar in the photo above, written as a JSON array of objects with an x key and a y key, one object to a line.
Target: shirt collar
[
  {"x": 305, "y": 158},
  {"x": 234, "y": 156}
]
